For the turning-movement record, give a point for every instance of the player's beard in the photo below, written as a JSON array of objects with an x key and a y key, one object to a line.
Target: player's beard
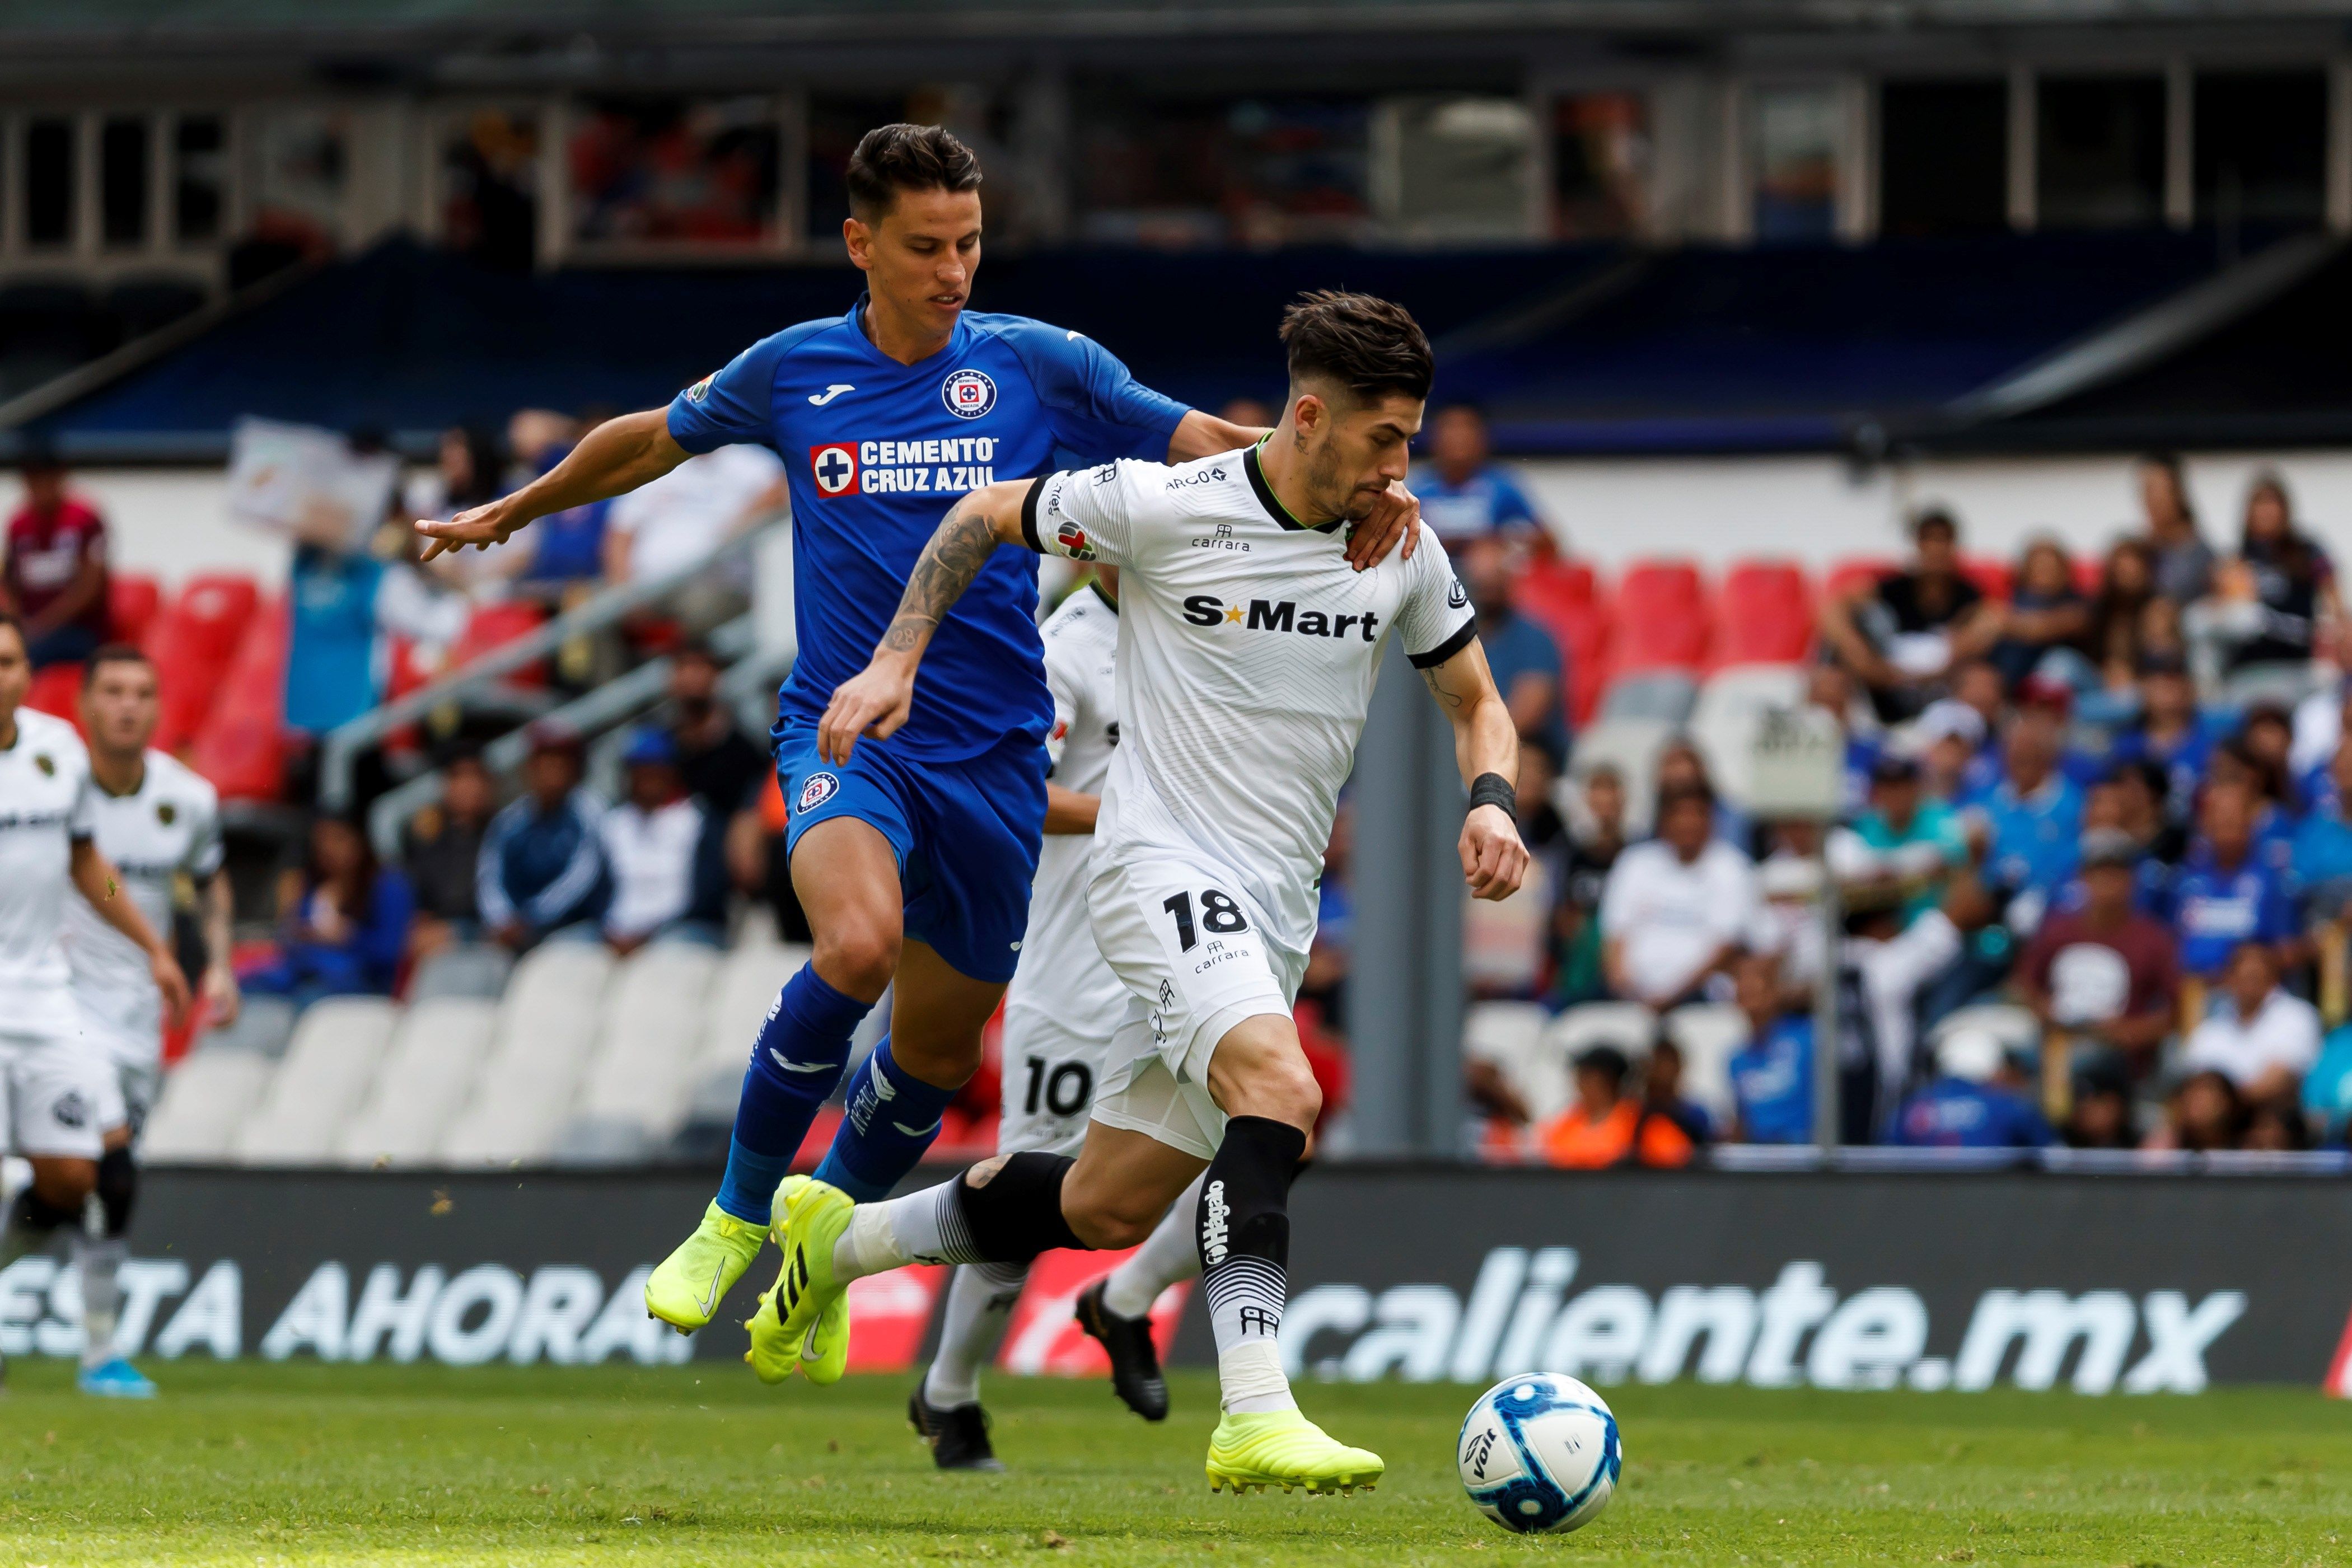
[{"x": 1333, "y": 491}]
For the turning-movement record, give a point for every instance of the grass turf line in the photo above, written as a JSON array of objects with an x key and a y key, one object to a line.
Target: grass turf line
[{"x": 300, "y": 1463}]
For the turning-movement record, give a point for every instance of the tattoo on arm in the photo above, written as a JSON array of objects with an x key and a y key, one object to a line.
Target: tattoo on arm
[
  {"x": 946, "y": 567},
  {"x": 1438, "y": 688}
]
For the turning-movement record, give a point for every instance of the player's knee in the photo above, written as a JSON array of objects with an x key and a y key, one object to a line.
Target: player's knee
[
  {"x": 65, "y": 1184},
  {"x": 858, "y": 958},
  {"x": 1106, "y": 1221},
  {"x": 1281, "y": 1088}
]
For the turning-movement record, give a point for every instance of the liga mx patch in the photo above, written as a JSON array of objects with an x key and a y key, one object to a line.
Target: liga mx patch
[
  {"x": 968, "y": 394},
  {"x": 818, "y": 788},
  {"x": 701, "y": 389},
  {"x": 834, "y": 466}
]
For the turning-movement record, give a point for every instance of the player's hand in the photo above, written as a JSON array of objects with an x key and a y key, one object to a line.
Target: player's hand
[
  {"x": 172, "y": 983},
  {"x": 876, "y": 701},
  {"x": 493, "y": 523},
  {"x": 222, "y": 1000},
  {"x": 1493, "y": 860},
  {"x": 1395, "y": 516}
]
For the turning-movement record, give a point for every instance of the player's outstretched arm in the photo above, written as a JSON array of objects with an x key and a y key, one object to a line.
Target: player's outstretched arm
[
  {"x": 94, "y": 878},
  {"x": 618, "y": 455},
  {"x": 876, "y": 700},
  {"x": 1486, "y": 750}
]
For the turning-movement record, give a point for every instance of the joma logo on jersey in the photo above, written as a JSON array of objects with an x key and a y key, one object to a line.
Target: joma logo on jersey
[{"x": 1282, "y": 615}]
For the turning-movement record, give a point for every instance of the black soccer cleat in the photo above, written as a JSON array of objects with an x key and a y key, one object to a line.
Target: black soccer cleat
[
  {"x": 959, "y": 1438},
  {"x": 1134, "y": 1359}
]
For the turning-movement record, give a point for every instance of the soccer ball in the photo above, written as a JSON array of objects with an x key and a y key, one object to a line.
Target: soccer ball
[{"x": 1540, "y": 1452}]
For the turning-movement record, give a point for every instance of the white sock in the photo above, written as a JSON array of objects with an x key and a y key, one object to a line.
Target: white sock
[
  {"x": 1250, "y": 1378},
  {"x": 99, "y": 1258},
  {"x": 1167, "y": 1255},
  {"x": 981, "y": 1298},
  {"x": 924, "y": 1227}
]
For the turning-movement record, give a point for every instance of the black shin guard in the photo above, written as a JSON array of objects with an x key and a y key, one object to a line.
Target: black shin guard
[
  {"x": 1017, "y": 1213},
  {"x": 1244, "y": 1225},
  {"x": 118, "y": 1189}
]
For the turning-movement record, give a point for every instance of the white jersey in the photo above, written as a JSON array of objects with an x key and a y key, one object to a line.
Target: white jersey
[
  {"x": 45, "y": 805},
  {"x": 169, "y": 826},
  {"x": 1247, "y": 652}
]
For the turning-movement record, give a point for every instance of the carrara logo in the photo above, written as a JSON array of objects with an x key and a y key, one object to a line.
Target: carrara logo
[{"x": 968, "y": 394}]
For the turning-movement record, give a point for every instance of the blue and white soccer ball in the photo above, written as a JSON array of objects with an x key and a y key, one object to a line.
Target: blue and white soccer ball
[{"x": 1540, "y": 1452}]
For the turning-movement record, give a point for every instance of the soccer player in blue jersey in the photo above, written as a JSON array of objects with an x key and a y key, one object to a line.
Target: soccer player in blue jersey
[{"x": 914, "y": 859}]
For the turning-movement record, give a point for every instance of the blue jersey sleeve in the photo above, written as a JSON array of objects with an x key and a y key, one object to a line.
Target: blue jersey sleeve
[
  {"x": 733, "y": 406},
  {"x": 1098, "y": 410}
]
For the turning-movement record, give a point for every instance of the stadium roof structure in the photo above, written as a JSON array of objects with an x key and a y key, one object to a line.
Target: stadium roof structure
[{"x": 1580, "y": 350}]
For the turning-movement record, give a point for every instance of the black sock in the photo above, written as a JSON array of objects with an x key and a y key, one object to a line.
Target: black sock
[
  {"x": 117, "y": 1188},
  {"x": 1244, "y": 1232}
]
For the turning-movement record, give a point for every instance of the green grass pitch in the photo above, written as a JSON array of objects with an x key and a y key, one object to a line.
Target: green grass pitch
[{"x": 250, "y": 1464}]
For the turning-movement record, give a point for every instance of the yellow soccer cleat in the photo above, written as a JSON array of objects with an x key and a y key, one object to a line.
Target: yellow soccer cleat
[
  {"x": 1283, "y": 1449},
  {"x": 803, "y": 1319},
  {"x": 691, "y": 1281}
]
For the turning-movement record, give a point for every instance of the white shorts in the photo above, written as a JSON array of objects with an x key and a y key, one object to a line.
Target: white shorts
[
  {"x": 132, "y": 1058},
  {"x": 1192, "y": 954},
  {"x": 1051, "y": 1073},
  {"x": 55, "y": 1093}
]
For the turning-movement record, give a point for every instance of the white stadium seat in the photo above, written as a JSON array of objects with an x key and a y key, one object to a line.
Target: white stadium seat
[
  {"x": 747, "y": 987},
  {"x": 1510, "y": 1035},
  {"x": 643, "y": 1072},
  {"x": 326, "y": 1070},
  {"x": 1628, "y": 1026},
  {"x": 1631, "y": 746},
  {"x": 1723, "y": 724},
  {"x": 205, "y": 1100},
  {"x": 546, "y": 1029},
  {"x": 435, "y": 1056},
  {"x": 1709, "y": 1035}
]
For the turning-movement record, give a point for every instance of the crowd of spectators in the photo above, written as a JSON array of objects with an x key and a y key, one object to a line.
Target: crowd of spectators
[{"x": 2095, "y": 864}]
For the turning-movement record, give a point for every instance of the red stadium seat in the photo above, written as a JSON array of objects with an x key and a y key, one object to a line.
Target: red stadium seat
[
  {"x": 1856, "y": 573},
  {"x": 1555, "y": 580},
  {"x": 494, "y": 625},
  {"x": 1664, "y": 620},
  {"x": 130, "y": 604},
  {"x": 57, "y": 690},
  {"x": 1583, "y": 633},
  {"x": 241, "y": 748},
  {"x": 194, "y": 638},
  {"x": 1764, "y": 614},
  {"x": 1990, "y": 576},
  {"x": 2090, "y": 574}
]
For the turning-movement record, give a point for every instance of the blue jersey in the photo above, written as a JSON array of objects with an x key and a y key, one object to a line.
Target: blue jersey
[
  {"x": 2034, "y": 837},
  {"x": 1487, "y": 501},
  {"x": 2214, "y": 910},
  {"x": 876, "y": 451},
  {"x": 1772, "y": 1082},
  {"x": 1953, "y": 1114}
]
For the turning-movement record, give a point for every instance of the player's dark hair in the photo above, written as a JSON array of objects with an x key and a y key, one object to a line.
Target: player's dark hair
[
  {"x": 1370, "y": 346},
  {"x": 895, "y": 158},
  {"x": 111, "y": 654}
]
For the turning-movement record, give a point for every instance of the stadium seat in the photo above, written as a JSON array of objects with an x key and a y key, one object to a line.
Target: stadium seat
[
  {"x": 494, "y": 625},
  {"x": 1582, "y": 631},
  {"x": 475, "y": 969},
  {"x": 1628, "y": 1026},
  {"x": 1723, "y": 724},
  {"x": 327, "y": 1070},
  {"x": 1555, "y": 580},
  {"x": 1856, "y": 573},
  {"x": 1990, "y": 575},
  {"x": 746, "y": 987},
  {"x": 547, "y": 1023},
  {"x": 192, "y": 640},
  {"x": 205, "y": 1100},
  {"x": 264, "y": 1026},
  {"x": 643, "y": 1071},
  {"x": 1631, "y": 746},
  {"x": 1510, "y": 1035},
  {"x": 1709, "y": 1036},
  {"x": 240, "y": 747},
  {"x": 1665, "y": 695},
  {"x": 57, "y": 690},
  {"x": 132, "y": 600},
  {"x": 1663, "y": 618},
  {"x": 426, "y": 1072},
  {"x": 1763, "y": 615}
]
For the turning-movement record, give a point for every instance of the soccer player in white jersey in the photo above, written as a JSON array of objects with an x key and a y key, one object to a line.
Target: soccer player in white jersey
[
  {"x": 1247, "y": 652},
  {"x": 1062, "y": 1006},
  {"x": 53, "y": 1088},
  {"x": 157, "y": 821}
]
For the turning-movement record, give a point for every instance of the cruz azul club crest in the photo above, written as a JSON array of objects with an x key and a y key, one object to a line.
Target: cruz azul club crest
[
  {"x": 968, "y": 394},
  {"x": 834, "y": 466}
]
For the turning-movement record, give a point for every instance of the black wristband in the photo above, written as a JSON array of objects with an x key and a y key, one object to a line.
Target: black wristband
[{"x": 1494, "y": 789}]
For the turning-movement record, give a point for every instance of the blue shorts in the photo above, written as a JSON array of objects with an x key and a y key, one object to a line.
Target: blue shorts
[{"x": 966, "y": 834}]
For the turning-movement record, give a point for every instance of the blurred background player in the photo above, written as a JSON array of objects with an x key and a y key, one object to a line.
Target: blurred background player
[
  {"x": 55, "y": 1087},
  {"x": 156, "y": 820},
  {"x": 1060, "y": 1012},
  {"x": 914, "y": 863}
]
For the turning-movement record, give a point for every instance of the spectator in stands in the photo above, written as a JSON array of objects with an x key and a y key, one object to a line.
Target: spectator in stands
[
  {"x": 1249, "y": 412},
  {"x": 1596, "y": 838},
  {"x": 1979, "y": 1099},
  {"x": 1662, "y": 1093},
  {"x": 55, "y": 576},
  {"x": 1904, "y": 843},
  {"x": 1603, "y": 1126},
  {"x": 1830, "y": 688},
  {"x": 1772, "y": 1072},
  {"x": 566, "y": 560},
  {"x": 1901, "y": 978},
  {"x": 2045, "y": 624},
  {"x": 1903, "y": 635},
  {"x": 2134, "y": 798},
  {"x": 2234, "y": 764},
  {"x": 2115, "y": 640},
  {"x": 2102, "y": 1115},
  {"x": 1682, "y": 765},
  {"x": 2032, "y": 820},
  {"x": 1464, "y": 492},
  {"x": 2169, "y": 733},
  {"x": 1527, "y": 666},
  {"x": 2321, "y": 851},
  {"x": 343, "y": 921},
  {"x": 650, "y": 842},
  {"x": 679, "y": 520},
  {"x": 2101, "y": 970},
  {"x": 2269, "y": 605},
  {"x": 2263, "y": 1039},
  {"x": 2204, "y": 1112},
  {"x": 2327, "y": 1087},
  {"x": 1675, "y": 909},
  {"x": 543, "y": 868},
  {"x": 2184, "y": 561},
  {"x": 1950, "y": 738},
  {"x": 440, "y": 849},
  {"x": 2227, "y": 894}
]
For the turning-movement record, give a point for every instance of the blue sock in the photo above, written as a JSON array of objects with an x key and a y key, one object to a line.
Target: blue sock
[
  {"x": 874, "y": 1146},
  {"x": 795, "y": 1063}
]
